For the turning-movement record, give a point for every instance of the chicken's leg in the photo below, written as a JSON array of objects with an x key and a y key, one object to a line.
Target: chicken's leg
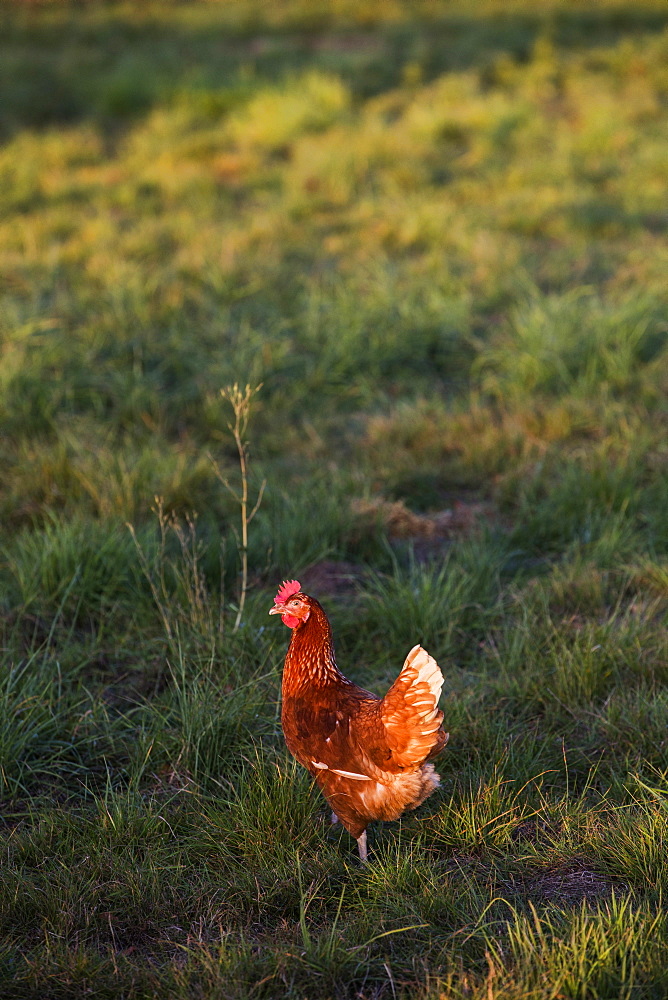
[{"x": 361, "y": 846}]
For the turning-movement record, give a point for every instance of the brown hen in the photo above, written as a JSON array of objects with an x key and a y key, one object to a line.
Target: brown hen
[{"x": 368, "y": 755}]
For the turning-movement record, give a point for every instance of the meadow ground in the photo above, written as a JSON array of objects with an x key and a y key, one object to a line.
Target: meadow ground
[{"x": 437, "y": 232}]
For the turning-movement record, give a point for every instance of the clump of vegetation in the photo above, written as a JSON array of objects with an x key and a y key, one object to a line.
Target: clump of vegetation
[{"x": 436, "y": 233}]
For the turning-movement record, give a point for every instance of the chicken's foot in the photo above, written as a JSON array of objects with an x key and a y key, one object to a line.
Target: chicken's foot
[
  {"x": 361, "y": 847},
  {"x": 335, "y": 819}
]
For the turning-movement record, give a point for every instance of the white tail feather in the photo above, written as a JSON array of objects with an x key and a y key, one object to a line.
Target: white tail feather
[{"x": 429, "y": 671}]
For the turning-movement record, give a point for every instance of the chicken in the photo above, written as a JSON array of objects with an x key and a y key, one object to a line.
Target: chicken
[{"x": 368, "y": 755}]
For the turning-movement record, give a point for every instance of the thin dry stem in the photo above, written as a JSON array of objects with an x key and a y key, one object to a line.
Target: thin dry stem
[{"x": 240, "y": 400}]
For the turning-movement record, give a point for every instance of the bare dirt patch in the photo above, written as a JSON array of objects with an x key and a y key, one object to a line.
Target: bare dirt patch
[
  {"x": 430, "y": 534},
  {"x": 337, "y": 578},
  {"x": 401, "y": 522},
  {"x": 569, "y": 883}
]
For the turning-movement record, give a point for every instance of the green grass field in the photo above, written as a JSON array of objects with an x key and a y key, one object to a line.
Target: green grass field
[{"x": 437, "y": 233}]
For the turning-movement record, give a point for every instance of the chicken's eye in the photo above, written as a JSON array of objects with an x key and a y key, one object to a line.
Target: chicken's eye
[{"x": 295, "y": 604}]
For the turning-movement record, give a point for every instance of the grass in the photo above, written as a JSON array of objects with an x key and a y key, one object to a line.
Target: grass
[{"x": 436, "y": 233}]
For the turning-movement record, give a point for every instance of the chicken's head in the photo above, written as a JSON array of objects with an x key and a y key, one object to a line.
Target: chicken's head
[{"x": 291, "y": 604}]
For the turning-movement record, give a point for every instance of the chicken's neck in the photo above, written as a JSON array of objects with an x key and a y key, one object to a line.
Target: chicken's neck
[{"x": 310, "y": 660}]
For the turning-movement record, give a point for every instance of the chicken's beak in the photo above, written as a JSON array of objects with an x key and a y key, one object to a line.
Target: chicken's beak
[{"x": 278, "y": 609}]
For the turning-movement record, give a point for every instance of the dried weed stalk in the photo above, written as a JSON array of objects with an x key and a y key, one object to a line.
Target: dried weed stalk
[{"x": 240, "y": 400}]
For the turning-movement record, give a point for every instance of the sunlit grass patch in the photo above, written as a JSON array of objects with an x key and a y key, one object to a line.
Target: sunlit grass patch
[
  {"x": 487, "y": 816},
  {"x": 272, "y": 119},
  {"x": 82, "y": 468},
  {"x": 634, "y": 844},
  {"x": 576, "y": 344},
  {"x": 617, "y": 951}
]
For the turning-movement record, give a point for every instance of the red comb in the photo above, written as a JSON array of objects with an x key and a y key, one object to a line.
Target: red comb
[{"x": 287, "y": 589}]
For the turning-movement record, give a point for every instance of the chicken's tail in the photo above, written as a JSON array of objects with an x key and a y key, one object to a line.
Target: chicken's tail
[
  {"x": 428, "y": 670},
  {"x": 410, "y": 711}
]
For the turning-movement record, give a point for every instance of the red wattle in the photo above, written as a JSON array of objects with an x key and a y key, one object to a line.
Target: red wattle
[{"x": 290, "y": 621}]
